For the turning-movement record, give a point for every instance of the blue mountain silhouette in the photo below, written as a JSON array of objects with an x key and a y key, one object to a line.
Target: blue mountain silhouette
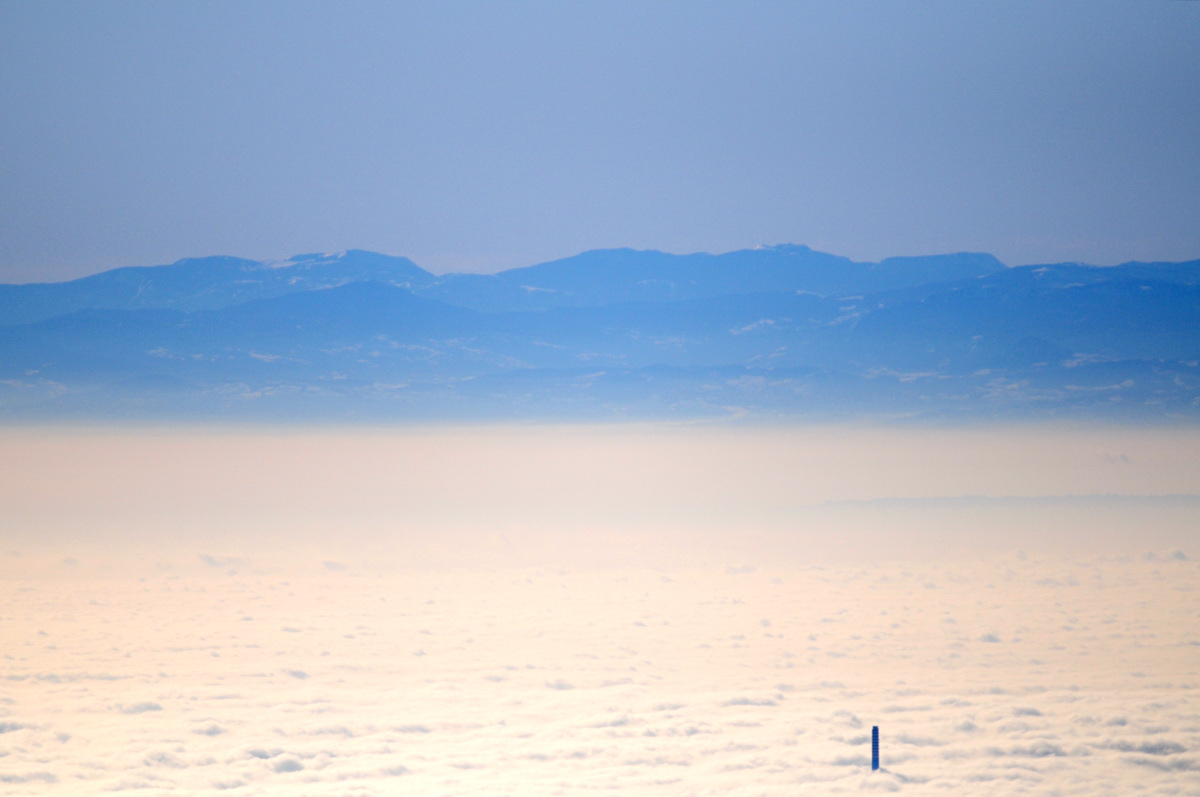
[{"x": 776, "y": 331}]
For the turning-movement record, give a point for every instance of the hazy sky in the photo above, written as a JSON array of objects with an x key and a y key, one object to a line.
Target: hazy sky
[{"x": 483, "y": 136}]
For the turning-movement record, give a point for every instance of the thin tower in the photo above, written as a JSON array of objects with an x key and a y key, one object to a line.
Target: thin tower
[{"x": 874, "y": 747}]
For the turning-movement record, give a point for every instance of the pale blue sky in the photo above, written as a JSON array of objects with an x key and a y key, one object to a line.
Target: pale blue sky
[{"x": 476, "y": 136}]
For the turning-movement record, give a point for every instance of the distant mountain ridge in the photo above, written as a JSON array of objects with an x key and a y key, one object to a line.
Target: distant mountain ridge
[
  {"x": 206, "y": 283},
  {"x": 608, "y": 276},
  {"x": 781, "y": 331},
  {"x": 589, "y": 279}
]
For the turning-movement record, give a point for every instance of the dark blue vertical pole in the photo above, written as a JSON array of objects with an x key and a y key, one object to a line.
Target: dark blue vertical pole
[{"x": 875, "y": 747}]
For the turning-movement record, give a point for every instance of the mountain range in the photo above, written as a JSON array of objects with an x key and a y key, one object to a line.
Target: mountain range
[{"x": 771, "y": 332}]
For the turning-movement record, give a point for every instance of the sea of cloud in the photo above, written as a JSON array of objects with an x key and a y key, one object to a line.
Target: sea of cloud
[
  {"x": 189, "y": 655},
  {"x": 1009, "y": 676}
]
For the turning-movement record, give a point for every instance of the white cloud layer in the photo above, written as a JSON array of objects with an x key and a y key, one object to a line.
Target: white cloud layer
[
  {"x": 558, "y": 611},
  {"x": 1008, "y": 676}
]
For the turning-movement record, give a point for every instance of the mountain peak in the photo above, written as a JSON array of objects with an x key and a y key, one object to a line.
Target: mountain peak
[{"x": 783, "y": 248}]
